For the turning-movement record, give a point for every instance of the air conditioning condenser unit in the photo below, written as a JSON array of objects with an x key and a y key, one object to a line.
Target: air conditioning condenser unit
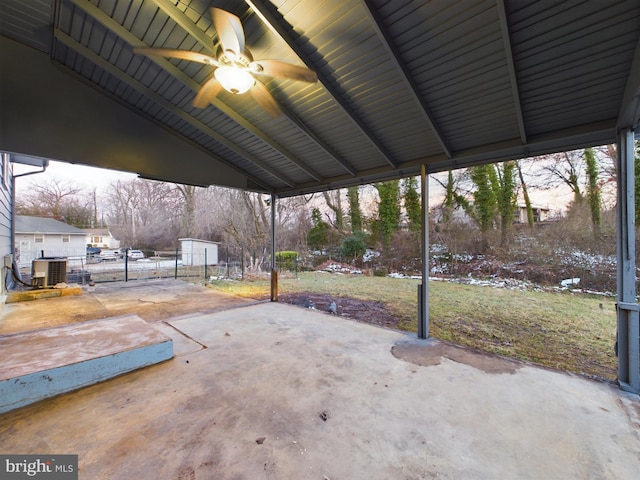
[{"x": 48, "y": 272}]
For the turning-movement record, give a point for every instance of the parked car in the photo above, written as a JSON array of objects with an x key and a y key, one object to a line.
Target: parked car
[
  {"x": 135, "y": 254},
  {"x": 93, "y": 251},
  {"x": 106, "y": 255}
]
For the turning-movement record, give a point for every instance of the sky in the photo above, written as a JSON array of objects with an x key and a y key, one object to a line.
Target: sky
[{"x": 88, "y": 177}]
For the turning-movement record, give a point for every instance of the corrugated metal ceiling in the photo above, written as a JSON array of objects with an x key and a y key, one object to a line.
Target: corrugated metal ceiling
[{"x": 401, "y": 83}]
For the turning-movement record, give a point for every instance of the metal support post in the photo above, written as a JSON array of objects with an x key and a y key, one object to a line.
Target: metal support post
[
  {"x": 628, "y": 330},
  {"x": 274, "y": 272},
  {"x": 423, "y": 296}
]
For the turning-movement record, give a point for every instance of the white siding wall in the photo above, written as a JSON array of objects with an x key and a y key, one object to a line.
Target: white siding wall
[
  {"x": 6, "y": 207},
  {"x": 28, "y": 250}
]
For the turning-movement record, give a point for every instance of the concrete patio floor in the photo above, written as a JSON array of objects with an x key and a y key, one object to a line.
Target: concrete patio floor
[{"x": 273, "y": 391}]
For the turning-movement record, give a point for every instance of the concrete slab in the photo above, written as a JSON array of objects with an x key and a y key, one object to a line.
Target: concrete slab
[
  {"x": 152, "y": 300},
  {"x": 281, "y": 392},
  {"x": 43, "y": 363}
]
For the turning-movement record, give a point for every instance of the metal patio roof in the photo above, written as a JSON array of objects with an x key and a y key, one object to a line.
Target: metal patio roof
[{"x": 402, "y": 83}]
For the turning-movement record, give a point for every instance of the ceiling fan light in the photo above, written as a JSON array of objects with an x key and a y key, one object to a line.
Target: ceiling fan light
[{"x": 234, "y": 80}]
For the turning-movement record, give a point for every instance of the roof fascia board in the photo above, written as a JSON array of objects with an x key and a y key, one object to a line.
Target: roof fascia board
[{"x": 600, "y": 133}]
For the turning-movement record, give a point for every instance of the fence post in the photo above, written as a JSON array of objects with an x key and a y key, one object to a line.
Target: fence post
[
  {"x": 242, "y": 262},
  {"x": 175, "y": 272},
  {"x": 126, "y": 264},
  {"x": 228, "y": 271},
  {"x": 205, "y": 265}
]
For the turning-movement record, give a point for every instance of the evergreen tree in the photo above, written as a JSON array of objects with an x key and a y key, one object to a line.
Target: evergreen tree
[{"x": 318, "y": 236}]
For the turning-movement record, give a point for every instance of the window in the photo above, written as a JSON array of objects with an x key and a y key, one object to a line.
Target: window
[
  {"x": 66, "y": 238},
  {"x": 96, "y": 240},
  {"x": 38, "y": 238}
]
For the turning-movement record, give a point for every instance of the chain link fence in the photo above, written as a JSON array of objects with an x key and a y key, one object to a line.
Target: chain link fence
[{"x": 199, "y": 267}]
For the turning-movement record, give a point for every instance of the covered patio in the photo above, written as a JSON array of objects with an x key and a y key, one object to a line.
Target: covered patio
[{"x": 270, "y": 390}]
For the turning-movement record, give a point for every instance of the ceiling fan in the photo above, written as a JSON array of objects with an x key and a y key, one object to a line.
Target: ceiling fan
[{"x": 234, "y": 68}]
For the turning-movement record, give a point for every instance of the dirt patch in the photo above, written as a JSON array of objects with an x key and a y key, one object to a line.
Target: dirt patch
[
  {"x": 431, "y": 353},
  {"x": 366, "y": 311}
]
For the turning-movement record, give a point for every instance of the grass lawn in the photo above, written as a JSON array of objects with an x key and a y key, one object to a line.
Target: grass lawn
[{"x": 573, "y": 332}]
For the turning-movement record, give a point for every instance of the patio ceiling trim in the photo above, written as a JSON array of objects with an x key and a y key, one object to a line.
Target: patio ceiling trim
[
  {"x": 134, "y": 84},
  {"x": 506, "y": 41},
  {"x": 405, "y": 74},
  {"x": 276, "y": 22},
  {"x": 192, "y": 29},
  {"x": 598, "y": 133},
  {"x": 132, "y": 40},
  {"x": 629, "y": 116}
]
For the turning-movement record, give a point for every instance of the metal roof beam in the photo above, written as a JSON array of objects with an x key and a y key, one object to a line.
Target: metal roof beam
[
  {"x": 134, "y": 41},
  {"x": 276, "y": 22},
  {"x": 171, "y": 9},
  {"x": 405, "y": 74},
  {"x": 134, "y": 84},
  {"x": 508, "y": 54},
  {"x": 629, "y": 116}
]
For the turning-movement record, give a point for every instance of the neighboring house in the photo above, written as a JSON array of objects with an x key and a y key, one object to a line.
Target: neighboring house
[
  {"x": 540, "y": 214},
  {"x": 194, "y": 252},
  {"x": 38, "y": 237},
  {"x": 102, "y": 238}
]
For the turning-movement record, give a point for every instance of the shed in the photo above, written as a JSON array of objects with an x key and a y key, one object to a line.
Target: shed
[{"x": 199, "y": 252}]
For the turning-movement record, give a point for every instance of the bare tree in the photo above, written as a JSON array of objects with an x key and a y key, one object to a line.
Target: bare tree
[{"x": 62, "y": 200}]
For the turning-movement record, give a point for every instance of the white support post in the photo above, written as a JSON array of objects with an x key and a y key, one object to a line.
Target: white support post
[{"x": 628, "y": 331}]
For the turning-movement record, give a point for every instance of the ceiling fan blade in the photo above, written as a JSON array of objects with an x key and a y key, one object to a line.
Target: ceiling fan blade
[
  {"x": 207, "y": 93},
  {"x": 229, "y": 29},
  {"x": 179, "y": 54},
  {"x": 263, "y": 98},
  {"x": 280, "y": 69}
]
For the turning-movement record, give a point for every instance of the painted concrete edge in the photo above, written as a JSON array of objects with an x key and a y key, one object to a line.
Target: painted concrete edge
[{"x": 24, "y": 390}]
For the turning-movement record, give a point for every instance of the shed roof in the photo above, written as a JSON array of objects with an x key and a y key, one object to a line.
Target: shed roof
[{"x": 402, "y": 83}]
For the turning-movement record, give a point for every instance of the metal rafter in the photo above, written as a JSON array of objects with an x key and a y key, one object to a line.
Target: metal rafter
[
  {"x": 506, "y": 41},
  {"x": 276, "y": 22},
  {"x": 629, "y": 115},
  {"x": 134, "y": 41},
  {"x": 187, "y": 24},
  {"x": 405, "y": 74},
  {"x": 134, "y": 84}
]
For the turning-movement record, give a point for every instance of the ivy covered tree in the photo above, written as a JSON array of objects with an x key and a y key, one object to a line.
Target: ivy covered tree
[
  {"x": 506, "y": 199},
  {"x": 355, "y": 212},
  {"x": 412, "y": 204},
  {"x": 593, "y": 190},
  {"x": 388, "y": 211}
]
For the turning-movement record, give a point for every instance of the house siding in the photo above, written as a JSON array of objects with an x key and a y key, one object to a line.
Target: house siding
[{"x": 6, "y": 208}]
